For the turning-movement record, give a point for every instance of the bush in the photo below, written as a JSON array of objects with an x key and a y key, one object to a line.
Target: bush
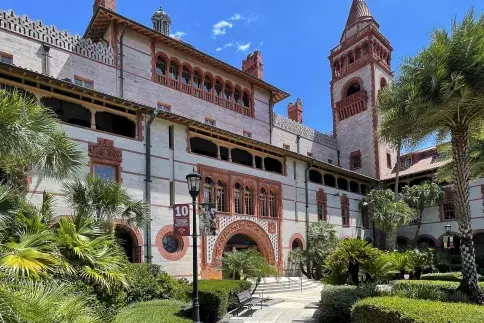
[
  {"x": 405, "y": 310},
  {"x": 218, "y": 296},
  {"x": 336, "y": 301},
  {"x": 160, "y": 311},
  {"x": 422, "y": 289},
  {"x": 454, "y": 277}
]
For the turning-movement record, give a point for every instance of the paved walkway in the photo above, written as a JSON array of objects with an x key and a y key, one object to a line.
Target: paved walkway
[{"x": 298, "y": 307}]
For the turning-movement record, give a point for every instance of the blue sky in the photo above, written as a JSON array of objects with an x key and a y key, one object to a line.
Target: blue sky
[{"x": 295, "y": 37}]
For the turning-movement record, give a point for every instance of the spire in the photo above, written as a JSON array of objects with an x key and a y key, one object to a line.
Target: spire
[
  {"x": 161, "y": 21},
  {"x": 359, "y": 12}
]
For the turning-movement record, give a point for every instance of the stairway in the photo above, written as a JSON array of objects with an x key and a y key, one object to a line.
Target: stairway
[{"x": 273, "y": 285}]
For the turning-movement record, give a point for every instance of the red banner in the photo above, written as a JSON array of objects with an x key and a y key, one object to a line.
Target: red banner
[{"x": 181, "y": 219}]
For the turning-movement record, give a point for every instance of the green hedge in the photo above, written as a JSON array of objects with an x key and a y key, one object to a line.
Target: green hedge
[
  {"x": 218, "y": 296},
  {"x": 159, "y": 311},
  {"x": 444, "y": 285},
  {"x": 336, "y": 301},
  {"x": 405, "y": 310},
  {"x": 430, "y": 289},
  {"x": 454, "y": 277}
]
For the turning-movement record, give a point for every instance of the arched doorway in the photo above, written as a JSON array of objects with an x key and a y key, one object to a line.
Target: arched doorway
[
  {"x": 130, "y": 239},
  {"x": 240, "y": 242}
]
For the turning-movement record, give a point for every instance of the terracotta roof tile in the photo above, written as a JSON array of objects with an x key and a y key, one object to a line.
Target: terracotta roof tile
[{"x": 422, "y": 165}]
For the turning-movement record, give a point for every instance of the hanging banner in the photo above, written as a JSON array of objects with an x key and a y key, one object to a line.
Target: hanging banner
[
  {"x": 208, "y": 214},
  {"x": 181, "y": 219}
]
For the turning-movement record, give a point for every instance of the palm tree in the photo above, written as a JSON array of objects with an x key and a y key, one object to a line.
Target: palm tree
[
  {"x": 32, "y": 139},
  {"x": 387, "y": 213},
  {"x": 449, "y": 101},
  {"x": 421, "y": 196},
  {"x": 104, "y": 201}
]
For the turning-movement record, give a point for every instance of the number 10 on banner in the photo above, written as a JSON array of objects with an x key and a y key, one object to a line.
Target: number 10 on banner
[{"x": 181, "y": 219}]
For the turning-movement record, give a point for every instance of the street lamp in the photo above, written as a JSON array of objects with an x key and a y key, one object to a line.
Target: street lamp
[
  {"x": 193, "y": 181},
  {"x": 447, "y": 231}
]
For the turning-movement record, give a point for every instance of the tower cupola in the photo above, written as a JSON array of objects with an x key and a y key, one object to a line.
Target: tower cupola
[
  {"x": 358, "y": 18},
  {"x": 161, "y": 22}
]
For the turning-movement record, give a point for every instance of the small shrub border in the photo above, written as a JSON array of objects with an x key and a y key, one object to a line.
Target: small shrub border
[
  {"x": 405, "y": 310},
  {"x": 453, "y": 276},
  {"x": 159, "y": 311}
]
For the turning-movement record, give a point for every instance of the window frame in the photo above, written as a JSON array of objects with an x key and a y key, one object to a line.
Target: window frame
[
  {"x": 7, "y": 56},
  {"x": 84, "y": 81},
  {"x": 247, "y": 134},
  {"x": 450, "y": 210},
  {"x": 286, "y": 146},
  {"x": 163, "y": 106},
  {"x": 356, "y": 157},
  {"x": 210, "y": 122}
]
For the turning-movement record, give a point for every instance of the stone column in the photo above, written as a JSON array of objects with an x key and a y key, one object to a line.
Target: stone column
[
  {"x": 263, "y": 164},
  {"x": 218, "y": 152},
  {"x": 230, "y": 155},
  {"x": 253, "y": 161},
  {"x": 93, "y": 119}
]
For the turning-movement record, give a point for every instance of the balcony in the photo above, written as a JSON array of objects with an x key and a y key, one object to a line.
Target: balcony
[
  {"x": 350, "y": 68},
  {"x": 211, "y": 97},
  {"x": 351, "y": 105}
]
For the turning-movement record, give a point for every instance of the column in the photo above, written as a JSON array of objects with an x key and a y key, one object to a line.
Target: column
[
  {"x": 263, "y": 164},
  {"x": 93, "y": 119},
  {"x": 230, "y": 155},
  {"x": 218, "y": 152},
  {"x": 253, "y": 161}
]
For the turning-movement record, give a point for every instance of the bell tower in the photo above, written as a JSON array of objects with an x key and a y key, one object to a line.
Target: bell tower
[{"x": 360, "y": 68}]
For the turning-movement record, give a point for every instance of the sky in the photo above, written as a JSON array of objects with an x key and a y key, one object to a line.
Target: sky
[{"x": 295, "y": 37}]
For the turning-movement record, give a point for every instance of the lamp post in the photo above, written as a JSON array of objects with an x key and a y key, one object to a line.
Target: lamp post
[
  {"x": 193, "y": 181},
  {"x": 447, "y": 231}
]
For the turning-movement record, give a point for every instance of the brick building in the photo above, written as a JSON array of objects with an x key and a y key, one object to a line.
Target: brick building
[{"x": 147, "y": 108}]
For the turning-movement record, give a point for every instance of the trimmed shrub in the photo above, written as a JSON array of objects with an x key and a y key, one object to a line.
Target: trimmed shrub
[
  {"x": 405, "y": 310},
  {"x": 336, "y": 301},
  {"x": 160, "y": 311},
  {"x": 420, "y": 291},
  {"x": 218, "y": 296},
  {"x": 423, "y": 288},
  {"x": 454, "y": 277}
]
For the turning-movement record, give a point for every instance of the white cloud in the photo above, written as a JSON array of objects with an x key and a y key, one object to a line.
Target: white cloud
[
  {"x": 236, "y": 16},
  {"x": 243, "y": 47},
  {"x": 261, "y": 43},
  {"x": 220, "y": 28},
  {"x": 246, "y": 20},
  {"x": 218, "y": 49},
  {"x": 178, "y": 35},
  {"x": 226, "y": 45}
]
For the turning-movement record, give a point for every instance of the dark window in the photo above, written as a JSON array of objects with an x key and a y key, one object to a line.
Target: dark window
[
  {"x": 315, "y": 176},
  {"x": 186, "y": 75},
  {"x": 174, "y": 71},
  {"x": 448, "y": 210},
  {"x": 172, "y": 193},
  {"x": 364, "y": 189},
  {"x": 116, "y": 124},
  {"x": 106, "y": 172},
  {"x": 69, "y": 112},
  {"x": 330, "y": 161},
  {"x": 171, "y": 143},
  {"x": 228, "y": 92},
  {"x": 245, "y": 99},
  {"x": 345, "y": 216},
  {"x": 224, "y": 153},
  {"x": 242, "y": 157},
  {"x": 258, "y": 162},
  {"x": 365, "y": 221},
  {"x": 83, "y": 82},
  {"x": 389, "y": 160},
  {"x": 197, "y": 80},
  {"x": 218, "y": 88},
  {"x": 6, "y": 58},
  {"x": 354, "y": 88},
  {"x": 296, "y": 244},
  {"x": 356, "y": 162},
  {"x": 210, "y": 122},
  {"x": 172, "y": 243},
  {"x": 208, "y": 83},
  {"x": 273, "y": 165},
  {"x": 161, "y": 66},
  {"x": 237, "y": 95},
  {"x": 203, "y": 147},
  {"x": 354, "y": 187},
  {"x": 342, "y": 184},
  {"x": 321, "y": 212},
  {"x": 329, "y": 180}
]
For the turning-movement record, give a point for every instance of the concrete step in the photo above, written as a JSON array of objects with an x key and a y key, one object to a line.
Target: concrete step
[
  {"x": 287, "y": 284},
  {"x": 286, "y": 287},
  {"x": 306, "y": 316},
  {"x": 285, "y": 290}
]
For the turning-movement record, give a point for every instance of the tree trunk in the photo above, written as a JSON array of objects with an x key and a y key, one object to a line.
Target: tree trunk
[
  {"x": 354, "y": 270},
  {"x": 419, "y": 224},
  {"x": 397, "y": 172},
  {"x": 391, "y": 239},
  {"x": 418, "y": 273},
  {"x": 461, "y": 177}
]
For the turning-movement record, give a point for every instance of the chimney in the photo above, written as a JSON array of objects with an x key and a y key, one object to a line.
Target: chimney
[
  {"x": 108, "y": 4},
  {"x": 253, "y": 64},
  {"x": 294, "y": 111}
]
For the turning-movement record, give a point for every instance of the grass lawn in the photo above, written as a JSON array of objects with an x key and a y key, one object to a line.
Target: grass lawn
[{"x": 159, "y": 311}]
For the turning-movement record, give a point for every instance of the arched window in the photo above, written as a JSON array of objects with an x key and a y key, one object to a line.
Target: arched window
[
  {"x": 383, "y": 82},
  {"x": 208, "y": 83},
  {"x": 366, "y": 49},
  {"x": 245, "y": 99},
  {"x": 228, "y": 91},
  {"x": 315, "y": 176},
  {"x": 351, "y": 58},
  {"x": 186, "y": 75},
  {"x": 197, "y": 80},
  {"x": 272, "y": 205},
  {"x": 342, "y": 184},
  {"x": 161, "y": 66},
  {"x": 220, "y": 196},
  {"x": 263, "y": 202},
  {"x": 236, "y": 95},
  {"x": 354, "y": 187},
  {"x": 237, "y": 198},
  {"x": 357, "y": 54},
  {"x": 207, "y": 190},
  {"x": 203, "y": 147},
  {"x": 329, "y": 180},
  {"x": 249, "y": 209},
  {"x": 353, "y": 88},
  {"x": 218, "y": 88},
  {"x": 174, "y": 70}
]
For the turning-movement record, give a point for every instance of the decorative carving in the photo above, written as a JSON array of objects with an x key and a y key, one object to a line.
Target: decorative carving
[
  {"x": 272, "y": 227},
  {"x": 304, "y": 131},
  {"x": 345, "y": 201},
  {"x": 321, "y": 196},
  {"x": 250, "y": 229},
  {"x": 104, "y": 149},
  {"x": 52, "y": 36}
]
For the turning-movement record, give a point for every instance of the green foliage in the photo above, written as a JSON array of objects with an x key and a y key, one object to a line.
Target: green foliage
[
  {"x": 336, "y": 301},
  {"x": 405, "y": 310},
  {"x": 336, "y": 270},
  {"x": 159, "y": 311},
  {"x": 400, "y": 260},
  {"x": 381, "y": 269},
  {"x": 420, "y": 291},
  {"x": 421, "y": 196},
  {"x": 387, "y": 213},
  {"x": 322, "y": 241},
  {"x": 454, "y": 277},
  {"x": 420, "y": 259},
  {"x": 143, "y": 285},
  {"x": 217, "y": 296},
  {"x": 246, "y": 264},
  {"x": 423, "y": 288},
  {"x": 26, "y": 301}
]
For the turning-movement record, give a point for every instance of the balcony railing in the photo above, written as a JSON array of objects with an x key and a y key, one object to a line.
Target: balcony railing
[
  {"x": 352, "y": 67},
  {"x": 204, "y": 95},
  {"x": 351, "y": 105}
]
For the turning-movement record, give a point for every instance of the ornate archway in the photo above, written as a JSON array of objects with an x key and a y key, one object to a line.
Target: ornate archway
[{"x": 135, "y": 252}]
